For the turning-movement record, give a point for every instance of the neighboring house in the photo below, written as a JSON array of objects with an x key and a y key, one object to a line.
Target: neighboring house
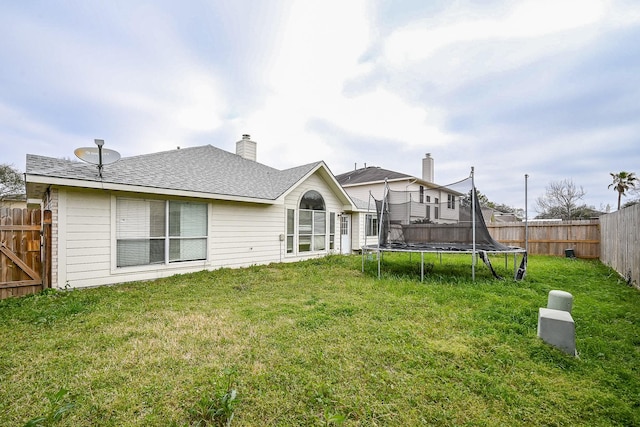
[
  {"x": 437, "y": 203},
  {"x": 493, "y": 216},
  {"x": 181, "y": 211},
  {"x": 13, "y": 201}
]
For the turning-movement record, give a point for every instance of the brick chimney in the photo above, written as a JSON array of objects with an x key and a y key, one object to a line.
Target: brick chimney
[
  {"x": 427, "y": 168},
  {"x": 246, "y": 148}
]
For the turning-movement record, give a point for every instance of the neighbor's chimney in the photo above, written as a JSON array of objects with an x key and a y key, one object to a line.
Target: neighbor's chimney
[
  {"x": 427, "y": 168},
  {"x": 246, "y": 148}
]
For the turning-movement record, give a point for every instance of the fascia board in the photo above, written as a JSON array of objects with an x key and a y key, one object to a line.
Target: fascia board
[
  {"x": 322, "y": 168},
  {"x": 415, "y": 180},
  {"x": 65, "y": 182},
  {"x": 380, "y": 181}
]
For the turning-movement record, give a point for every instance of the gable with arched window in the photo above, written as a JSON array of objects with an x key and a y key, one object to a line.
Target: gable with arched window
[
  {"x": 309, "y": 230},
  {"x": 312, "y": 223}
]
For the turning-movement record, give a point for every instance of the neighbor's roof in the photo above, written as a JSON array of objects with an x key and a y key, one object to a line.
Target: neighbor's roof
[
  {"x": 363, "y": 205},
  {"x": 368, "y": 175},
  {"x": 375, "y": 175},
  {"x": 204, "y": 169}
]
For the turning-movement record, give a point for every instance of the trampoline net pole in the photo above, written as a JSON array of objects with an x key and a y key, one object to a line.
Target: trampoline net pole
[{"x": 473, "y": 226}]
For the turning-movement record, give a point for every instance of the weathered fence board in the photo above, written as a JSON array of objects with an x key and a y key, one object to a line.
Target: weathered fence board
[
  {"x": 21, "y": 268},
  {"x": 621, "y": 242},
  {"x": 583, "y": 237}
]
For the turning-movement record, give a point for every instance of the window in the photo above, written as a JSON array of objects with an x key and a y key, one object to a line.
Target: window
[
  {"x": 159, "y": 232},
  {"x": 428, "y": 207},
  {"x": 332, "y": 230},
  {"x": 436, "y": 210},
  {"x": 291, "y": 220},
  {"x": 312, "y": 223},
  {"x": 371, "y": 225},
  {"x": 344, "y": 225},
  {"x": 451, "y": 201},
  {"x": 422, "y": 194}
]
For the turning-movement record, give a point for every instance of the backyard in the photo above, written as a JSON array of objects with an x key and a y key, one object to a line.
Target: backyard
[{"x": 322, "y": 343}]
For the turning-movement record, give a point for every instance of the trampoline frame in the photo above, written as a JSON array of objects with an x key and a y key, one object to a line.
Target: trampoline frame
[
  {"x": 432, "y": 247},
  {"x": 380, "y": 250}
]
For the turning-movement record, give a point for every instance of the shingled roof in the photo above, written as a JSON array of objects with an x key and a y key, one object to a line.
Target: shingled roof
[
  {"x": 368, "y": 175},
  {"x": 205, "y": 169}
]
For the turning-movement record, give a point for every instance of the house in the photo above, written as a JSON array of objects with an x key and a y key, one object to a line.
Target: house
[
  {"x": 493, "y": 216},
  {"x": 13, "y": 201},
  {"x": 181, "y": 211},
  {"x": 426, "y": 199}
]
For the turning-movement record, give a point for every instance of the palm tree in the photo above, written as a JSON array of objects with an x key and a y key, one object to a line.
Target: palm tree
[{"x": 622, "y": 182}]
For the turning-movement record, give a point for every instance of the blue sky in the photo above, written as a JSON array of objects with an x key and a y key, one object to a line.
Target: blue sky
[{"x": 545, "y": 88}]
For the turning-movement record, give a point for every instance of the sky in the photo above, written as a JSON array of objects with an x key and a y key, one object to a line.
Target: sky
[{"x": 544, "y": 88}]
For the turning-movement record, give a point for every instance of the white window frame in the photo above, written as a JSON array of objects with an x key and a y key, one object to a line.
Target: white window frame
[
  {"x": 316, "y": 235},
  {"x": 451, "y": 201},
  {"x": 167, "y": 238},
  {"x": 332, "y": 231},
  {"x": 290, "y": 233},
  {"x": 370, "y": 225}
]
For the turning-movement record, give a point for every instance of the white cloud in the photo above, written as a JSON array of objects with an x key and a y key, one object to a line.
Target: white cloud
[
  {"x": 530, "y": 19},
  {"x": 321, "y": 50},
  {"x": 151, "y": 76},
  {"x": 19, "y": 128}
]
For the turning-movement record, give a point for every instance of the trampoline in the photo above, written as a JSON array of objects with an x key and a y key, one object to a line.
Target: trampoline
[{"x": 423, "y": 221}]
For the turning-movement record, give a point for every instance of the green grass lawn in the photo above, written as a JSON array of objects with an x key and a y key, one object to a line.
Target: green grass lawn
[{"x": 321, "y": 343}]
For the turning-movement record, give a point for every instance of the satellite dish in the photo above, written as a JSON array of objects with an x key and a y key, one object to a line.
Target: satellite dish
[
  {"x": 97, "y": 156},
  {"x": 92, "y": 155}
]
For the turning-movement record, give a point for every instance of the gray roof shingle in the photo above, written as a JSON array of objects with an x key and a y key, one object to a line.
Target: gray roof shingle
[
  {"x": 369, "y": 174},
  {"x": 204, "y": 169}
]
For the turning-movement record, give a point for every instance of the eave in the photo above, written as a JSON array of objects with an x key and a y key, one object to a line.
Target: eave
[
  {"x": 322, "y": 169},
  {"x": 37, "y": 185}
]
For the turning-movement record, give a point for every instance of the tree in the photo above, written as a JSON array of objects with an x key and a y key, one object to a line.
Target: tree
[
  {"x": 622, "y": 182},
  {"x": 483, "y": 200},
  {"x": 11, "y": 181},
  {"x": 465, "y": 201},
  {"x": 560, "y": 200}
]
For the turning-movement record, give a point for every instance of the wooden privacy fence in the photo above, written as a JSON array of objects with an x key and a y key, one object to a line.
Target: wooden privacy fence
[
  {"x": 25, "y": 264},
  {"x": 582, "y": 236},
  {"x": 621, "y": 242}
]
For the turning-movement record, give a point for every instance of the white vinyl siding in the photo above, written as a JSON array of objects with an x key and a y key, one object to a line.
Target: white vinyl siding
[
  {"x": 83, "y": 238},
  {"x": 238, "y": 234},
  {"x": 243, "y": 234},
  {"x": 363, "y": 192}
]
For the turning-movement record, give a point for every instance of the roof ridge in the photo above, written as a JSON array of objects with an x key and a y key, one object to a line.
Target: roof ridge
[{"x": 173, "y": 150}]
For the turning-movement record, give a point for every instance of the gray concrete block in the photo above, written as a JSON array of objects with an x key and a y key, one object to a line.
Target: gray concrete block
[
  {"x": 557, "y": 328},
  {"x": 560, "y": 300}
]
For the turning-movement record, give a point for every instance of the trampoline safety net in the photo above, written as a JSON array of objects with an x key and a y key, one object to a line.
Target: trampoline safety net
[{"x": 435, "y": 219}]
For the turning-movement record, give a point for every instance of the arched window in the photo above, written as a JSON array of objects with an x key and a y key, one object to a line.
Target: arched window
[
  {"x": 312, "y": 200},
  {"x": 312, "y": 223}
]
